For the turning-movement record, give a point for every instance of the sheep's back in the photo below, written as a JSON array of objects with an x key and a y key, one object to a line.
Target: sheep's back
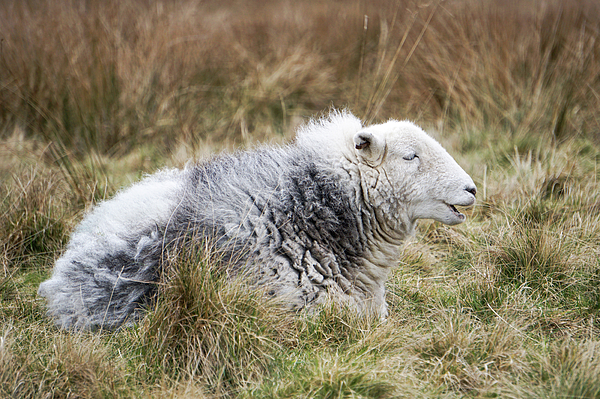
[{"x": 286, "y": 217}]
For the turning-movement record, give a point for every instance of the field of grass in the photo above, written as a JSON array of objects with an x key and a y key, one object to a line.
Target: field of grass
[{"x": 93, "y": 94}]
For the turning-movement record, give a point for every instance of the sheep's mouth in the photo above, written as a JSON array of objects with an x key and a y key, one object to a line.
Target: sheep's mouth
[{"x": 455, "y": 211}]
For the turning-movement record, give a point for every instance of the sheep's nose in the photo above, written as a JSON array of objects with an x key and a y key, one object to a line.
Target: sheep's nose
[{"x": 472, "y": 190}]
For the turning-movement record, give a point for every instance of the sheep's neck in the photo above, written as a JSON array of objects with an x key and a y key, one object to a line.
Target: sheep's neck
[{"x": 385, "y": 224}]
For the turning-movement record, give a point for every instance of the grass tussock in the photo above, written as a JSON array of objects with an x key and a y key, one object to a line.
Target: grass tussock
[
  {"x": 226, "y": 334},
  {"x": 206, "y": 326},
  {"x": 467, "y": 355},
  {"x": 94, "y": 94},
  {"x": 37, "y": 362}
]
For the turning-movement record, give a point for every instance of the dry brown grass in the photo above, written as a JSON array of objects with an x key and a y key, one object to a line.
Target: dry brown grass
[{"x": 108, "y": 75}]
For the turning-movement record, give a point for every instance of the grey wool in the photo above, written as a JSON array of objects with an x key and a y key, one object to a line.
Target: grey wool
[{"x": 319, "y": 219}]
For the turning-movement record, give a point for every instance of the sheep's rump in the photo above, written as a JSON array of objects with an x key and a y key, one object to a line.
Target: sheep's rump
[{"x": 286, "y": 217}]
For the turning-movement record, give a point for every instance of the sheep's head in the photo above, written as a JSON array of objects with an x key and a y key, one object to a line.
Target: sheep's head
[{"x": 407, "y": 175}]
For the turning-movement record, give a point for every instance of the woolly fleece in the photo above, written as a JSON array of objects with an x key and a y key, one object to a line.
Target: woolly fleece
[{"x": 320, "y": 218}]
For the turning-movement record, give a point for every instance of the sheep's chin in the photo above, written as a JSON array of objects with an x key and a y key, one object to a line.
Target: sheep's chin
[
  {"x": 448, "y": 214},
  {"x": 456, "y": 217},
  {"x": 440, "y": 211}
]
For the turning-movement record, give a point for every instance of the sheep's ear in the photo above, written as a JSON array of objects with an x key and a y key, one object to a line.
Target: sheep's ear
[{"x": 370, "y": 148}]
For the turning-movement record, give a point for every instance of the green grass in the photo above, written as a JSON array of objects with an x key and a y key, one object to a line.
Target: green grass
[{"x": 95, "y": 95}]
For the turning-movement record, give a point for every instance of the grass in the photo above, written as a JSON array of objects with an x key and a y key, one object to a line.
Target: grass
[{"x": 95, "y": 94}]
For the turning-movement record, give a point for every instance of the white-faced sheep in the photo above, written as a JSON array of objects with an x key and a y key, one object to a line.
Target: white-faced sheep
[{"x": 320, "y": 218}]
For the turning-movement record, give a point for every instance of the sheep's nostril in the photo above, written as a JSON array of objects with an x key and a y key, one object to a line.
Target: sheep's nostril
[{"x": 472, "y": 190}]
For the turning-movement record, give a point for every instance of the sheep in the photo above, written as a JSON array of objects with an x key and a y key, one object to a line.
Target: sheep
[{"x": 319, "y": 219}]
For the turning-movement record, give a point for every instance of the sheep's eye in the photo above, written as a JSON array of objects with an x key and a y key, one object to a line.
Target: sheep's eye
[{"x": 410, "y": 157}]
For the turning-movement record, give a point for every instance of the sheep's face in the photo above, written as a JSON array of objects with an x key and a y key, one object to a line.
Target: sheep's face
[{"x": 409, "y": 176}]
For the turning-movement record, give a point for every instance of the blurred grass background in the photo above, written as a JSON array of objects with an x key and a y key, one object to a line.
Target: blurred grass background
[
  {"x": 108, "y": 76},
  {"x": 93, "y": 94}
]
